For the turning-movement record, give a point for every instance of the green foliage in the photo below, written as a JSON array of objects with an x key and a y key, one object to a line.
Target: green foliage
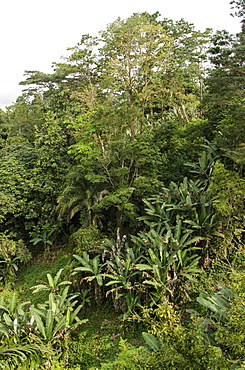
[
  {"x": 177, "y": 346},
  {"x": 53, "y": 285},
  {"x": 14, "y": 318},
  {"x": 22, "y": 117},
  {"x": 36, "y": 272},
  {"x": 79, "y": 150},
  {"x": 98, "y": 340},
  {"x": 129, "y": 358},
  {"x": 225, "y": 98},
  {"x": 228, "y": 188},
  {"x": 90, "y": 266},
  {"x": 89, "y": 349},
  {"x": 239, "y": 6},
  {"x": 46, "y": 239},
  {"x": 58, "y": 314},
  {"x": 21, "y": 356},
  {"x": 151, "y": 340},
  {"x": 218, "y": 303},
  {"x": 19, "y": 343},
  {"x": 11, "y": 252},
  {"x": 84, "y": 240},
  {"x": 80, "y": 195},
  {"x": 182, "y": 221},
  {"x": 231, "y": 335},
  {"x": 15, "y": 187},
  {"x": 48, "y": 175},
  {"x": 36, "y": 331},
  {"x": 105, "y": 105},
  {"x": 225, "y": 328}
]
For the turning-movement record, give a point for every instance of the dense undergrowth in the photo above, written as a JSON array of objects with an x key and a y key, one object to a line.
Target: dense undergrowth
[
  {"x": 99, "y": 339},
  {"x": 187, "y": 335}
]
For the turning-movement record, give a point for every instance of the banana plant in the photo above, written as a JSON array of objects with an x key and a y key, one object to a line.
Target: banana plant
[
  {"x": 19, "y": 346},
  {"x": 219, "y": 306},
  {"x": 45, "y": 238},
  {"x": 52, "y": 324},
  {"x": 177, "y": 199},
  {"x": 205, "y": 219},
  {"x": 22, "y": 355},
  {"x": 14, "y": 317},
  {"x": 124, "y": 282},
  {"x": 91, "y": 267},
  {"x": 121, "y": 274},
  {"x": 110, "y": 249},
  {"x": 171, "y": 258},
  {"x": 190, "y": 203},
  {"x": 59, "y": 313},
  {"x": 155, "y": 270},
  {"x": 203, "y": 169},
  {"x": 218, "y": 303},
  {"x": 157, "y": 209},
  {"x": 52, "y": 285}
]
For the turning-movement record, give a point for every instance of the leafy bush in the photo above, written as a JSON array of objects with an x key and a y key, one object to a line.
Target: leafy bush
[
  {"x": 176, "y": 346},
  {"x": 129, "y": 358},
  {"x": 84, "y": 239},
  {"x": 11, "y": 252}
]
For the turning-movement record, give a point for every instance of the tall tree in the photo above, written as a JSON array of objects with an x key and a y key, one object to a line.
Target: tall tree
[
  {"x": 134, "y": 53},
  {"x": 225, "y": 99},
  {"x": 112, "y": 96}
]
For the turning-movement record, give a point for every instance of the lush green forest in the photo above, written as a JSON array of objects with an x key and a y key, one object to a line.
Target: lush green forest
[{"x": 122, "y": 203}]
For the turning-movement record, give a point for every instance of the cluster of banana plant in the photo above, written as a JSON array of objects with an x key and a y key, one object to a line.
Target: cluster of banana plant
[
  {"x": 180, "y": 221},
  {"x": 114, "y": 270},
  {"x": 59, "y": 313},
  {"x": 190, "y": 204},
  {"x": 138, "y": 276},
  {"x": 19, "y": 342},
  {"x": 29, "y": 333},
  {"x": 171, "y": 260}
]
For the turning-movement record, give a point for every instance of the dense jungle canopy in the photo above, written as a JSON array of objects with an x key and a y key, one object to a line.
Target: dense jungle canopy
[{"x": 130, "y": 156}]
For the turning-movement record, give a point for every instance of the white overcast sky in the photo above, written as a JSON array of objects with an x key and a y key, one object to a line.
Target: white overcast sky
[{"x": 35, "y": 33}]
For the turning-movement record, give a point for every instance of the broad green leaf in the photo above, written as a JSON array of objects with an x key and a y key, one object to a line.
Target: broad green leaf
[
  {"x": 39, "y": 322},
  {"x": 99, "y": 280},
  {"x": 207, "y": 304},
  {"x": 51, "y": 281},
  {"x": 7, "y": 319},
  {"x": 49, "y": 324},
  {"x": 80, "y": 269},
  {"x": 4, "y": 330},
  {"x": 57, "y": 276},
  {"x": 39, "y": 288},
  {"x": 95, "y": 263},
  {"x": 59, "y": 326},
  {"x": 12, "y": 303},
  {"x": 152, "y": 341},
  {"x": 75, "y": 313},
  {"x": 65, "y": 282}
]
